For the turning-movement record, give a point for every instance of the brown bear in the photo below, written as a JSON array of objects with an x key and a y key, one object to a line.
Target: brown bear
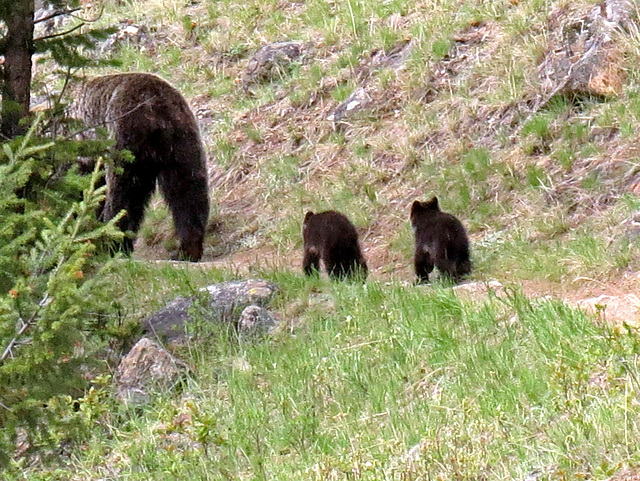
[
  {"x": 151, "y": 119},
  {"x": 329, "y": 236},
  {"x": 441, "y": 240}
]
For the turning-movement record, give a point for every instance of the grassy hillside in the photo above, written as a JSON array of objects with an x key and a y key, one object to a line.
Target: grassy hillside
[
  {"x": 544, "y": 194},
  {"x": 388, "y": 380}
]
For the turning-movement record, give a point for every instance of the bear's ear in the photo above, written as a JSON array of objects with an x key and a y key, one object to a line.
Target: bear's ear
[
  {"x": 308, "y": 216},
  {"x": 432, "y": 204},
  {"x": 416, "y": 207}
]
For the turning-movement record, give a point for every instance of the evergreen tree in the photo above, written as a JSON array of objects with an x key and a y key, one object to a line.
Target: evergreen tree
[
  {"x": 18, "y": 45},
  {"x": 50, "y": 262}
]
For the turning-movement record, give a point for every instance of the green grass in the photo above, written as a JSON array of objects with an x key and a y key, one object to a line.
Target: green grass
[{"x": 494, "y": 390}]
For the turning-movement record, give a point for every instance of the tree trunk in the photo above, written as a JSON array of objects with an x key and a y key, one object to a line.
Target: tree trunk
[{"x": 16, "y": 88}]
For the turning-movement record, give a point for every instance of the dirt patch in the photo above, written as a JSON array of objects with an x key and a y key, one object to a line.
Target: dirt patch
[{"x": 623, "y": 309}]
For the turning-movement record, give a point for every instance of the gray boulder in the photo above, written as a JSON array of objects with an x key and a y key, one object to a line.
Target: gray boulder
[{"x": 216, "y": 303}]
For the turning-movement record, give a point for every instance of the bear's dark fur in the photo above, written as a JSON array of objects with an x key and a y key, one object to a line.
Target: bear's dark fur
[
  {"x": 329, "y": 236},
  {"x": 441, "y": 240},
  {"x": 152, "y": 120}
]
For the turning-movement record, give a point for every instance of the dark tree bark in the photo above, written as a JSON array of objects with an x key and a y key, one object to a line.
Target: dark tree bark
[{"x": 18, "y": 49}]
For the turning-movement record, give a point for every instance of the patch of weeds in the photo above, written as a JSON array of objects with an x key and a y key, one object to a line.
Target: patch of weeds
[
  {"x": 362, "y": 149},
  {"x": 252, "y": 132},
  {"x": 538, "y": 126},
  {"x": 591, "y": 181},
  {"x": 336, "y": 138},
  {"x": 282, "y": 172},
  {"x": 565, "y": 156},
  {"x": 477, "y": 164},
  {"x": 219, "y": 84},
  {"x": 588, "y": 251},
  {"x": 624, "y": 252},
  {"x": 348, "y": 59},
  {"x": 440, "y": 48},
  {"x": 536, "y": 176},
  {"x": 225, "y": 151},
  {"x": 631, "y": 202},
  {"x": 131, "y": 59},
  {"x": 286, "y": 233},
  {"x": 157, "y": 226},
  {"x": 576, "y": 131},
  {"x": 389, "y": 38},
  {"x": 551, "y": 226}
]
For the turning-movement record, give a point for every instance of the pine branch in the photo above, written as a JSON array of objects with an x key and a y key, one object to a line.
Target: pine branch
[
  {"x": 25, "y": 326},
  {"x": 61, "y": 34},
  {"x": 57, "y": 13}
]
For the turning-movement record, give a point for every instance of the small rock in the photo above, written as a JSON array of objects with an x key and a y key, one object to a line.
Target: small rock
[
  {"x": 357, "y": 101},
  {"x": 533, "y": 475},
  {"x": 396, "y": 58},
  {"x": 272, "y": 61},
  {"x": 242, "y": 365},
  {"x": 255, "y": 321},
  {"x": 415, "y": 453},
  {"x": 148, "y": 368}
]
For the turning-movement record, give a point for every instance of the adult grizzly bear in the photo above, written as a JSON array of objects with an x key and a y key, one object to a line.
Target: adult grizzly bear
[
  {"x": 441, "y": 240},
  {"x": 152, "y": 120},
  {"x": 329, "y": 236}
]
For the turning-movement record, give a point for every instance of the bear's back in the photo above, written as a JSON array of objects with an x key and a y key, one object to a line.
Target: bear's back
[
  {"x": 135, "y": 102},
  {"x": 434, "y": 226},
  {"x": 330, "y": 229}
]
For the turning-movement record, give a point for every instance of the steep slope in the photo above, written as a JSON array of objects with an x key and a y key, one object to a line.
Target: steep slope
[{"x": 452, "y": 102}]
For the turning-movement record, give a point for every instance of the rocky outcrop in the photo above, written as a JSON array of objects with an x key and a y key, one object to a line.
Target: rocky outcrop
[
  {"x": 479, "y": 290},
  {"x": 584, "y": 55},
  {"x": 128, "y": 33},
  {"x": 146, "y": 370},
  {"x": 216, "y": 303}
]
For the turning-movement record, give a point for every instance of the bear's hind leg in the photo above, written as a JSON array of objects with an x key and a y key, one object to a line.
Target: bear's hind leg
[
  {"x": 187, "y": 195},
  {"x": 463, "y": 267},
  {"x": 423, "y": 264},
  {"x": 454, "y": 262},
  {"x": 129, "y": 191},
  {"x": 354, "y": 266}
]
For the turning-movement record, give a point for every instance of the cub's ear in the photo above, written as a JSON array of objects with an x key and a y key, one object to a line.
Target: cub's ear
[
  {"x": 308, "y": 216},
  {"x": 416, "y": 206},
  {"x": 432, "y": 204}
]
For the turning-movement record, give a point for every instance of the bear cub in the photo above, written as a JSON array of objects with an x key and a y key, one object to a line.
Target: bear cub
[
  {"x": 441, "y": 241},
  {"x": 329, "y": 236}
]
